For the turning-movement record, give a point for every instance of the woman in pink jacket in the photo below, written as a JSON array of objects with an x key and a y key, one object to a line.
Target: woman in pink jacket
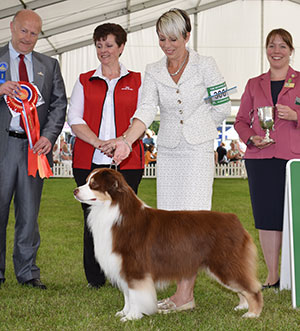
[{"x": 266, "y": 161}]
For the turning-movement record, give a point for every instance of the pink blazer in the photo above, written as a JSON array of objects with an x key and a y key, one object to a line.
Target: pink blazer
[{"x": 286, "y": 133}]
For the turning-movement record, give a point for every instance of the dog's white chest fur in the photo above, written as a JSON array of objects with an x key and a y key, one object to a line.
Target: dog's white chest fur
[{"x": 100, "y": 220}]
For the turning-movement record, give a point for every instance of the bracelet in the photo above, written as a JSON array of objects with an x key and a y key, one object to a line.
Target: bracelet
[{"x": 126, "y": 142}]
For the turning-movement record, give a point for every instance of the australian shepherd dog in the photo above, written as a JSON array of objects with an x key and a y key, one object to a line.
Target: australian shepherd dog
[{"x": 139, "y": 247}]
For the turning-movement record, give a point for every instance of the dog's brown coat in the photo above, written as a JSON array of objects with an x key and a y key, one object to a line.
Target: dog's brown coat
[{"x": 173, "y": 245}]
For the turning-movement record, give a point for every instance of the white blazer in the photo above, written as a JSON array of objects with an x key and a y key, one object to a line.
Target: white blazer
[{"x": 183, "y": 110}]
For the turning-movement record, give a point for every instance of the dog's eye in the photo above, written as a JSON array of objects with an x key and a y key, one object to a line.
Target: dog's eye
[{"x": 93, "y": 183}]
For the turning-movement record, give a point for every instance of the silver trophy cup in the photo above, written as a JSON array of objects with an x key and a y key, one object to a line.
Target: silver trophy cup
[{"x": 266, "y": 120}]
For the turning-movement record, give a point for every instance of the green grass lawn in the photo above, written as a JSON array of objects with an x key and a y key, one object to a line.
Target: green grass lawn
[{"x": 69, "y": 305}]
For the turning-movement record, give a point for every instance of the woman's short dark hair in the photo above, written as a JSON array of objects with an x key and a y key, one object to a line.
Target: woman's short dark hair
[
  {"x": 174, "y": 23},
  {"x": 103, "y": 30},
  {"x": 285, "y": 35}
]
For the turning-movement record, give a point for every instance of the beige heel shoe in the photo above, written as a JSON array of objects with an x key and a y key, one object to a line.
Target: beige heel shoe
[
  {"x": 162, "y": 302},
  {"x": 169, "y": 306}
]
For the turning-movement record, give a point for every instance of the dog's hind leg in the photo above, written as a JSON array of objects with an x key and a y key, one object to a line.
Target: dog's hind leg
[
  {"x": 243, "y": 303},
  {"x": 255, "y": 302},
  {"x": 142, "y": 299},
  {"x": 250, "y": 286}
]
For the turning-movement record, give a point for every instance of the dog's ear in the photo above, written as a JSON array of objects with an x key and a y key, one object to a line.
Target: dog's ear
[
  {"x": 107, "y": 180},
  {"x": 117, "y": 186}
]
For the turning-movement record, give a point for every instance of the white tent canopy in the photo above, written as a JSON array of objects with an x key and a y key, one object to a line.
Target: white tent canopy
[{"x": 232, "y": 31}]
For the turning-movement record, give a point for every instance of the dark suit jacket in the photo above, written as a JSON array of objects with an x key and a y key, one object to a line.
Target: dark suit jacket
[{"x": 48, "y": 78}]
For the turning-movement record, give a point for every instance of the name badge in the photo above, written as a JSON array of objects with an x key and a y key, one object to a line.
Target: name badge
[{"x": 290, "y": 83}]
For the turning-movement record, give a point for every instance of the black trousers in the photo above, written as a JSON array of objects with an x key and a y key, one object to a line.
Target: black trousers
[{"x": 93, "y": 272}]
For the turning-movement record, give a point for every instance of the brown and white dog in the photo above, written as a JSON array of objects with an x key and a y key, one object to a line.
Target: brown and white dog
[{"x": 139, "y": 247}]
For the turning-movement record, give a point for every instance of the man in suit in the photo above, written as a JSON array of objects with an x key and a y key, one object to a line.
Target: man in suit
[{"x": 44, "y": 73}]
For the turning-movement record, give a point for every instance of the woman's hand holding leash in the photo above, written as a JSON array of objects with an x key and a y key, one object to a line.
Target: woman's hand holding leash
[
  {"x": 118, "y": 148},
  {"x": 108, "y": 147},
  {"x": 122, "y": 151}
]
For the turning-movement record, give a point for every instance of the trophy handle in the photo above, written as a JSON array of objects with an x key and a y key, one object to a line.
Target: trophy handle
[{"x": 251, "y": 115}]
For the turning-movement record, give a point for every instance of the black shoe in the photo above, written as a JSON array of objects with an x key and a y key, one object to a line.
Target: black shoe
[
  {"x": 275, "y": 286},
  {"x": 95, "y": 286},
  {"x": 2, "y": 281},
  {"x": 36, "y": 282}
]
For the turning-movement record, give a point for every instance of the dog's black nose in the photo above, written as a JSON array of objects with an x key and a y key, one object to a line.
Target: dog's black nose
[{"x": 75, "y": 191}]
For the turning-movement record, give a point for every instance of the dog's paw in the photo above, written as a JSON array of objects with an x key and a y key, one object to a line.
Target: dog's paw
[
  {"x": 131, "y": 316},
  {"x": 250, "y": 315},
  {"x": 241, "y": 307},
  {"x": 120, "y": 313}
]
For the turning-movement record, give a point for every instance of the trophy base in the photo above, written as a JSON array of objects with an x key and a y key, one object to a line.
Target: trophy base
[{"x": 268, "y": 141}]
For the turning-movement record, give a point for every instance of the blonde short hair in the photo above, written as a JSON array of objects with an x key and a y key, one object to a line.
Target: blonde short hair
[{"x": 174, "y": 23}]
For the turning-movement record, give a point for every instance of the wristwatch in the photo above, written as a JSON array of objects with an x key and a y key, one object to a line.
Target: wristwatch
[{"x": 250, "y": 141}]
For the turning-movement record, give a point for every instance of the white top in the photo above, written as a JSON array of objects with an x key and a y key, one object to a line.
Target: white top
[
  {"x": 183, "y": 110},
  {"x": 108, "y": 127}
]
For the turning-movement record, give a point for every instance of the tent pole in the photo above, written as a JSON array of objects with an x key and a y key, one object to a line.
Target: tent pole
[
  {"x": 195, "y": 31},
  {"x": 262, "y": 53},
  {"x": 128, "y": 15},
  {"x": 196, "y": 27}
]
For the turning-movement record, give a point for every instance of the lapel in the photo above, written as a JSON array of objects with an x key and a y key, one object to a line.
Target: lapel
[
  {"x": 190, "y": 70},
  {"x": 38, "y": 67},
  {"x": 4, "y": 57},
  {"x": 291, "y": 76},
  {"x": 160, "y": 71},
  {"x": 265, "y": 85},
  {"x": 38, "y": 71}
]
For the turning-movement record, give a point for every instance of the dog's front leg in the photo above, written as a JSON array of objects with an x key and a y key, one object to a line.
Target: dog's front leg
[
  {"x": 134, "y": 311},
  {"x": 142, "y": 299},
  {"x": 125, "y": 309}
]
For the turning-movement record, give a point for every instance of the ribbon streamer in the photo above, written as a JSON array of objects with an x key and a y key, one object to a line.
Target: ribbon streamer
[{"x": 25, "y": 104}]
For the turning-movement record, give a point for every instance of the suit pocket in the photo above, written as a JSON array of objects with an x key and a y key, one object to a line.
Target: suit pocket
[{"x": 295, "y": 140}]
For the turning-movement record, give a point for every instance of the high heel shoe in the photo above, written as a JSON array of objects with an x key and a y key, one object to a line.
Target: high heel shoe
[
  {"x": 167, "y": 306},
  {"x": 275, "y": 285}
]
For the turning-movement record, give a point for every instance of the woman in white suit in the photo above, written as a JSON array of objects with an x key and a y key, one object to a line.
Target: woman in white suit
[{"x": 178, "y": 84}]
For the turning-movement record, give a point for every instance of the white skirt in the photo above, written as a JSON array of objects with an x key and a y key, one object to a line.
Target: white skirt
[{"x": 185, "y": 176}]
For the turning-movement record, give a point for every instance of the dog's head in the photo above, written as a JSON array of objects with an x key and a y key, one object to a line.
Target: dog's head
[{"x": 101, "y": 185}]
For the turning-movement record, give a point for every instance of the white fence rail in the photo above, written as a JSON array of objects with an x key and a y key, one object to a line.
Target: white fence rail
[
  {"x": 62, "y": 169},
  {"x": 231, "y": 170}
]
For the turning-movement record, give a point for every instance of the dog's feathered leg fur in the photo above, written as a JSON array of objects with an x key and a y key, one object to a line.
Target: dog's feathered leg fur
[
  {"x": 243, "y": 304},
  {"x": 142, "y": 299},
  {"x": 125, "y": 310}
]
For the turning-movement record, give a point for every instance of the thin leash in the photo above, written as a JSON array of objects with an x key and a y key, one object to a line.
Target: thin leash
[{"x": 113, "y": 164}]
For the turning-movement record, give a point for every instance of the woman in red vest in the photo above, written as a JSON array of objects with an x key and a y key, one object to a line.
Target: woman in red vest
[{"x": 101, "y": 105}]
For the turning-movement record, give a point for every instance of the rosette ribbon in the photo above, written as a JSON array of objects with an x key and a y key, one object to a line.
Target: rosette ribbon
[{"x": 25, "y": 103}]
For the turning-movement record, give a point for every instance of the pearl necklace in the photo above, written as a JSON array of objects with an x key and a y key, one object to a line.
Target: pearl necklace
[{"x": 183, "y": 63}]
